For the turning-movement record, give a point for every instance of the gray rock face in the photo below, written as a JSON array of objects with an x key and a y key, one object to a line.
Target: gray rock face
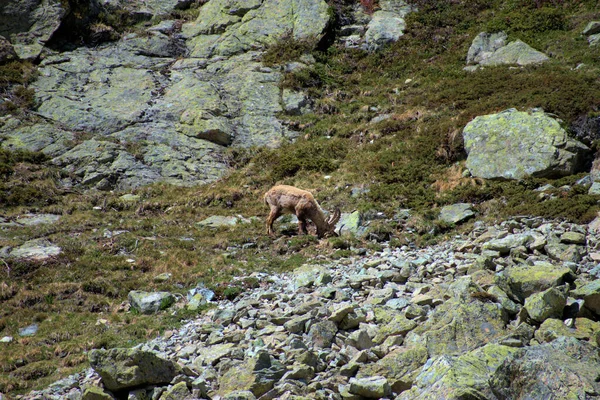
[
  {"x": 516, "y": 52},
  {"x": 164, "y": 104},
  {"x": 127, "y": 368},
  {"x": 515, "y": 144}
]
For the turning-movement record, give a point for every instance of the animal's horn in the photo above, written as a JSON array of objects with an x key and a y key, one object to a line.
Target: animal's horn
[{"x": 334, "y": 218}]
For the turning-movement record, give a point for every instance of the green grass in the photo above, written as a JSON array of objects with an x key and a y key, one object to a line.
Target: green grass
[{"x": 412, "y": 160}]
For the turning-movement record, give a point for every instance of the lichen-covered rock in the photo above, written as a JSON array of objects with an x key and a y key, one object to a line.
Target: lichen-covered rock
[
  {"x": 458, "y": 326},
  {"x": 257, "y": 375},
  {"x": 524, "y": 280},
  {"x": 515, "y": 144},
  {"x": 553, "y": 328},
  {"x": 225, "y": 28},
  {"x": 96, "y": 393},
  {"x": 516, "y": 52},
  {"x": 128, "y": 368},
  {"x": 547, "y": 304},
  {"x": 462, "y": 377},
  {"x": 36, "y": 249},
  {"x": 399, "y": 367},
  {"x": 372, "y": 387},
  {"x": 591, "y": 28},
  {"x": 590, "y": 293},
  {"x": 150, "y": 302},
  {"x": 505, "y": 244},
  {"x": 30, "y": 24},
  {"x": 385, "y": 27},
  {"x": 565, "y": 368},
  {"x": 456, "y": 213},
  {"x": 484, "y": 45},
  {"x": 179, "y": 391}
]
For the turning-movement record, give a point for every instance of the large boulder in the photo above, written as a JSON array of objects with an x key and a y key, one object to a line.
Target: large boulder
[
  {"x": 492, "y": 49},
  {"x": 150, "y": 302},
  {"x": 460, "y": 377},
  {"x": 458, "y": 326},
  {"x": 128, "y": 368},
  {"x": 515, "y": 144},
  {"x": 565, "y": 368},
  {"x": 525, "y": 280},
  {"x": 517, "y": 52},
  {"x": 484, "y": 45}
]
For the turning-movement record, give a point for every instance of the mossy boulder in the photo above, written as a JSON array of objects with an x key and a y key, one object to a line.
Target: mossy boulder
[
  {"x": 462, "y": 377},
  {"x": 547, "y": 304},
  {"x": 524, "y": 280},
  {"x": 565, "y": 368},
  {"x": 515, "y": 144},
  {"x": 96, "y": 393},
  {"x": 128, "y": 368},
  {"x": 257, "y": 375}
]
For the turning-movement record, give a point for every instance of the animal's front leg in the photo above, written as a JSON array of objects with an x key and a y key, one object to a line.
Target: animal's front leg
[{"x": 302, "y": 226}]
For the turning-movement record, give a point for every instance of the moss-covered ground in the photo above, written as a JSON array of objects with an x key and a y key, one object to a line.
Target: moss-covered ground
[{"x": 412, "y": 160}]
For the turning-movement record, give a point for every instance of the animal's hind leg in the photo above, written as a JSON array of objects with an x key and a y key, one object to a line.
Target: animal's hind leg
[{"x": 273, "y": 215}]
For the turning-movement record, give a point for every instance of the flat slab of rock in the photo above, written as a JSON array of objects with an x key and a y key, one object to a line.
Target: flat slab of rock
[
  {"x": 36, "y": 249},
  {"x": 37, "y": 219},
  {"x": 515, "y": 144},
  {"x": 456, "y": 213},
  {"x": 218, "y": 221}
]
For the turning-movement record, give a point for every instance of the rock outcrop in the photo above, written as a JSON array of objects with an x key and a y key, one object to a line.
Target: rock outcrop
[
  {"x": 490, "y": 49},
  {"x": 515, "y": 144},
  {"x": 163, "y": 104}
]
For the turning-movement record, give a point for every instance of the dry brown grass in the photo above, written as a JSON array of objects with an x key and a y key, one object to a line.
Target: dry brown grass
[{"x": 452, "y": 178}]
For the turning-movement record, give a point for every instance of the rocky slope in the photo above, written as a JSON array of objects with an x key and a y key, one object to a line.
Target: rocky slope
[
  {"x": 506, "y": 311},
  {"x": 164, "y": 103}
]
